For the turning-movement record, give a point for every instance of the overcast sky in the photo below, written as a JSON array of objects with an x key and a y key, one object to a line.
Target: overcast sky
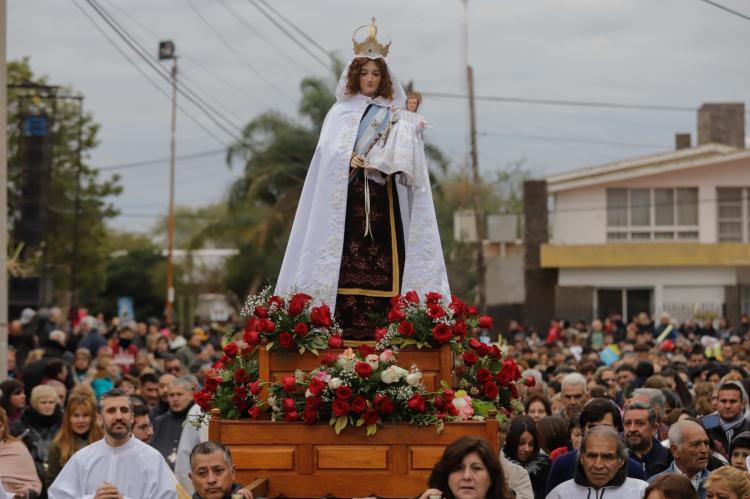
[{"x": 665, "y": 52}]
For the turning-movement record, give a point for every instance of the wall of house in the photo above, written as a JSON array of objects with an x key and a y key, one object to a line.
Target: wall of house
[{"x": 579, "y": 215}]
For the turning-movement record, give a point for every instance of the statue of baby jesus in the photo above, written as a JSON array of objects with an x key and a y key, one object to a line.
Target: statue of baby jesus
[{"x": 401, "y": 149}]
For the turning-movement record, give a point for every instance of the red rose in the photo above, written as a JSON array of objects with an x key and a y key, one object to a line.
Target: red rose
[
  {"x": 231, "y": 349},
  {"x": 472, "y": 310},
  {"x": 309, "y": 416},
  {"x": 203, "y": 399},
  {"x": 510, "y": 371},
  {"x": 371, "y": 417},
  {"x": 474, "y": 343},
  {"x": 485, "y": 322},
  {"x": 291, "y": 416},
  {"x": 433, "y": 297},
  {"x": 340, "y": 407},
  {"x": 495, "y": 352},
  {"x": 483, "y": 349},
  {"x": 316, "y": 386},
  {"x": 380, "y": 333},
  {"x": 288, "y": 384},
  {"x": 286, "y": 340},
  {"x": 276, "y": 300},
  {"x": 440, "y": 403},
  {"x": 363, "y": 369},
  {"x": 417, "y": 403},
  {"x": 211, "y": 384},
  {"x": 253, "y": 325},
  {"x": 470, "y": 358},
  {"x": 530, "y": 381},
  {"x": 253, "y": 412},
  {"x": 412, "y": 296},
  {"x": 252, "y": 338},
  {"x": 452, "y": 409},
  {"x": 396, "y": 315},
  {"x": 297, "y": 303},
  {"x": 384, "y": 404},
  {"x": 321, "y": 316},
  {"x": 459, "y": 329},
  {"x": 365, "y": 350},
  {"x": 513, "y": 391},
  {"x": 397, "y": 302},
  {"x": 406, "y": 328},
  {"x": 335, "y": 341},
  {"x": 448, "y": 396},
  {"x": 328, "y": 359},
  {"x": 255, "y": 387},
  {"x": 359, "y": 404},
  {"x": 269, "y": 326},
  {"x": 343, "y": 392},
  {"x": 483, "y": 375},
  {"x": 435, "y": 312},
  {"x": 442, "y": 333},
  {"x": 289, "y": 405},
  {"x": 301, "y": 328},
  {"x": 261, "y": 312},
  {"x": 458, "y": 307},
  {"x": 490, "y": 390},
  {"x": 241, "y": 376},
  {"x": 313, "y": 403}
]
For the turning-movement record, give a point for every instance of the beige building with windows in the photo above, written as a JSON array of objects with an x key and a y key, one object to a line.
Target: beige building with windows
[{"x": 668, "y": 232}]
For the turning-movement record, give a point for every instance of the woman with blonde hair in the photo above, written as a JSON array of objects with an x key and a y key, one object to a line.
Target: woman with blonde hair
[
  {"x": 79, "y": 429},
  {"x": 17, "y": 471},
  {"x": 728, "y": 483}
]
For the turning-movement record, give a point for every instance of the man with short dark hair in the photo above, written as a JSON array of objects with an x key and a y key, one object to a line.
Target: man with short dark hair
[
  {"x": 639, "y": 427},
  {"x": 149, "y": 389},
  {"x": 212, "y": 473},
  {"x": 118, "y": 465},
  {"x": 598, "y": 412},
  {"x": 730, "y": 403},
  {"x": 690, "y": 448},
  {"x": 142, "y": 427},
  {"x": 602, "y": 466}
]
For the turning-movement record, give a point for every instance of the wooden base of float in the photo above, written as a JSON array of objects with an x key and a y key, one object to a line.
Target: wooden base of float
[
  {"x": 435, "y": 364},
  {"x": 299, "y": 460}
]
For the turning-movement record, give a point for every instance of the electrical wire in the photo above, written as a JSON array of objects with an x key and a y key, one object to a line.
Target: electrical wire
[
  {"x": 165, "y": 161},
  {"x": 549, "y": 138},
  {"x": 727, "y": 9},
  {"x": 296, "y": 28},
  {"x": 289, "y": 35}
]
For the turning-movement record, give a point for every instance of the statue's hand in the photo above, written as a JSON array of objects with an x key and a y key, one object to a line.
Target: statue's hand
[{"x": 357, "y": 161}]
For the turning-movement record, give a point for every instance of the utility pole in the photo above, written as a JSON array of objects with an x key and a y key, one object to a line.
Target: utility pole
[
  {"x": 477, "y": 197},
  {"x": 3, "y": 198},
  {"x": 77, "y": 215},
  {"x": 167, "y": 51}
]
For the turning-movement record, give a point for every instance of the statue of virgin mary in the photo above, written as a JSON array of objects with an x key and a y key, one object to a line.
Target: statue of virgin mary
[{"x": 365, "y": 228}]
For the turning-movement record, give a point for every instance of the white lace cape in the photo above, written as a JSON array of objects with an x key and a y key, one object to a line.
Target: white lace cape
[{"x": 313, "y": 254}]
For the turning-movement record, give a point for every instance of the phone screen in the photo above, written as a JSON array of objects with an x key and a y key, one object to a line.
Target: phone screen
[{"x": 711, "y": 421}]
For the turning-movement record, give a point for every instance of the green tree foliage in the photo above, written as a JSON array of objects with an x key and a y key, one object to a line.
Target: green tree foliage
[{"x": 55, "y": 254}]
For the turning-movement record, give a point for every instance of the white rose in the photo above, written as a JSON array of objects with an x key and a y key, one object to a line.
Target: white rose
[
  {"x": 372, "y": 359},
  {"x": 387, "y": 356},
  {"x": 413, "y": 379},
  {"x": 402, "y": 373},
  {"x": 308, "y": 394},
  {"x": 335, "y": 383},
  {"x": 390, "y": 375}
]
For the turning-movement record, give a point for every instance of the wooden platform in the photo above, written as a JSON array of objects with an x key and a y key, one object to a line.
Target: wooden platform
[{"x": 300, "y": 460}]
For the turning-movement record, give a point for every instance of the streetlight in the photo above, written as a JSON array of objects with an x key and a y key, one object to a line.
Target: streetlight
[{"x": 166, "y": 52}]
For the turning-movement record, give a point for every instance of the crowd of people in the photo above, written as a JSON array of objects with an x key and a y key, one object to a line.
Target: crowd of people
[{"x": 644, "y": 408}]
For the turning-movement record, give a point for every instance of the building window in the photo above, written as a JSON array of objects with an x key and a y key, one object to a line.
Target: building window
[
  {"x": 733, "y": 214},
  {"x": 663, "y": 214}
]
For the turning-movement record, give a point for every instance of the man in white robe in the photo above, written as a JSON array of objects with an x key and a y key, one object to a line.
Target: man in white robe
[{"x": 119, "y": 466}]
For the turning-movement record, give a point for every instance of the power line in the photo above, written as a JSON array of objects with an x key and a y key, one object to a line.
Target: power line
[
  {"x": 548, "y": 138},
  {"x": 288, "y": 34},
  {"x": 146, "y": 75},
  {"x": 296, "y": 28},
  {"x": 165, "y": 161},
  {"x": 233, "y": 50},
  {"x": 560, "y": 102},
  {"x": 727, "y": 9}
]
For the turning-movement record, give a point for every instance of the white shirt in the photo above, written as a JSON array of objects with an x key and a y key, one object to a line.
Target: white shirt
[
  {"x": 189, "y": 438},
  {"x": 136, "y": 469}
]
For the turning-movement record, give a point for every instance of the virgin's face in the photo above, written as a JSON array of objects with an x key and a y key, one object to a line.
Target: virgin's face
[
  {"x": 471, "y": 480},
  {"x": 369, "y": 79}
]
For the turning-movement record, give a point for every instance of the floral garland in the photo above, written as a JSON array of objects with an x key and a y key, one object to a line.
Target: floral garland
[
  {"x": 359, "y": 388},
  {"x": 289, "y": 323},
  {"x": 429, "y": 324}
]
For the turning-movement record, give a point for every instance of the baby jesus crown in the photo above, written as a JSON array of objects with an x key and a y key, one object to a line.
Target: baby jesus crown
[{"x": 370, "y": 46}]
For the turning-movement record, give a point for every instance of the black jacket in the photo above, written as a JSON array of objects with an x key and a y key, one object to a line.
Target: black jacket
[
  {"x": 167, "y": 431},
  {"x": 37, "y": 432},
  {"x": 719, "y": 438}
]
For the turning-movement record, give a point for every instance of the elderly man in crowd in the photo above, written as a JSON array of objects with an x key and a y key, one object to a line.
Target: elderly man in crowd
[
  {"x": 655, "y": 399},
  {"x": 601, "y": 469},
  {"x": 212, "y": 473},
  {"x": 573, "y": 392},
  {"x": 640, "y": 425},
  {"x": 690, "y": 449}
]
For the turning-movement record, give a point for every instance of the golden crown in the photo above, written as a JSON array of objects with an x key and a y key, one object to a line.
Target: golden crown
[{"x": 370, "y": 46}]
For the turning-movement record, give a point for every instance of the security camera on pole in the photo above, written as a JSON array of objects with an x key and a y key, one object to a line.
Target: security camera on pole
[{"x": 166, "y": 52}]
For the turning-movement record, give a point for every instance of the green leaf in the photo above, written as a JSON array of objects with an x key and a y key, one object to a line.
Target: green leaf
[
  {"x": 372, "y": 429},
  {"x": 341, "y": 423},
  {"x": 314, "y": 351},
  {"x": 269, "y": 346},
  {"x": 332, "y": 421},
  {"x": 482, "y": 407},
  {"x": 445, "y": 385},
  {"x": 301, "y": 350},
  {"x": 360, "y": 422}
]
